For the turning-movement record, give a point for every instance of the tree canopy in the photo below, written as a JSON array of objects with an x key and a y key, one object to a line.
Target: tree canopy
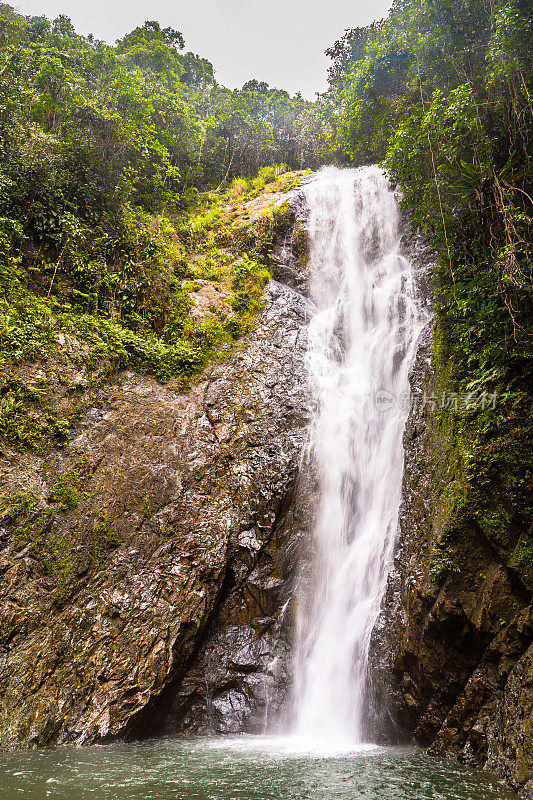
[{"x": 441, "y": 93}]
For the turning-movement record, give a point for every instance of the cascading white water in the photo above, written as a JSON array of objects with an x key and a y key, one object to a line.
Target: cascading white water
[{"x": 362, "y": 343}]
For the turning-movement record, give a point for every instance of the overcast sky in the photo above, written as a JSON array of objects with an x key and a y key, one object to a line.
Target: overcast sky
[{"x": 278, "y": 41}]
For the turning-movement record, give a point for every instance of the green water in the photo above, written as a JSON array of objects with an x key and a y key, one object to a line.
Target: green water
[{"x": 240, "y": 768}]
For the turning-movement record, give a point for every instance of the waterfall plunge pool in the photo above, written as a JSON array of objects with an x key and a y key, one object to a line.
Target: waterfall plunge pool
[{"x": 239, "y": 768}]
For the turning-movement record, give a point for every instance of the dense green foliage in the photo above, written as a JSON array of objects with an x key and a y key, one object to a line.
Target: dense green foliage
[
  {"x": 440, "y": 92},
  {"x": 115, "y": 166}
]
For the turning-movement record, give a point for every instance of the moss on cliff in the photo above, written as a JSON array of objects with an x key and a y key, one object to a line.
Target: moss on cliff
[
  {"x": 483, "y": 460},
  {"x": 193, "y": 289}
]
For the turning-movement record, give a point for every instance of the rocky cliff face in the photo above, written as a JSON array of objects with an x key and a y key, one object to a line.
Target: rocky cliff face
[
  {"x": 144, "y": 569},
  {"x": 452, "y": 651},
  {"x": 147, "y": 567}
]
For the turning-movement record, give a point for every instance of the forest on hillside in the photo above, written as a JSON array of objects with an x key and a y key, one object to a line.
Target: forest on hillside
[
  {"x": 440, "y": 93},
  {"x": 116, "y": 160}
]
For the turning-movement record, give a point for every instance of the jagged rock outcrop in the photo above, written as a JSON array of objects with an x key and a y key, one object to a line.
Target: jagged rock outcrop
[
  {"x": 240, "y": 678},
  {"x": 160, "y": 523},
  {"x": 451, "y": 661}
]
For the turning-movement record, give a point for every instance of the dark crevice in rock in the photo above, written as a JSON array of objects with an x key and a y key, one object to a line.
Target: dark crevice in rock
[
  {"x": 150, "y": 721},
  {"x": 226, "y": 685}
]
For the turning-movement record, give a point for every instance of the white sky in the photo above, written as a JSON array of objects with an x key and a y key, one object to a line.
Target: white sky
[{"x": 279, "y": 41}]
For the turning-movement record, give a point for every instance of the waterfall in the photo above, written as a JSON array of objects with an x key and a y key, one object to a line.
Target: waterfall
[{"x": 363, "y": 340}]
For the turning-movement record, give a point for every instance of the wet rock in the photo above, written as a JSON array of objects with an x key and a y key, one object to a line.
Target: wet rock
[
  {"x": 155, "y": 527},
  {"x": 451, "y": 659}
]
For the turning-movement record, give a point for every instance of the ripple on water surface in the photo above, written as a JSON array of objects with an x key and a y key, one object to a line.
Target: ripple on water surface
[{"x": 240, "y": 768}]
